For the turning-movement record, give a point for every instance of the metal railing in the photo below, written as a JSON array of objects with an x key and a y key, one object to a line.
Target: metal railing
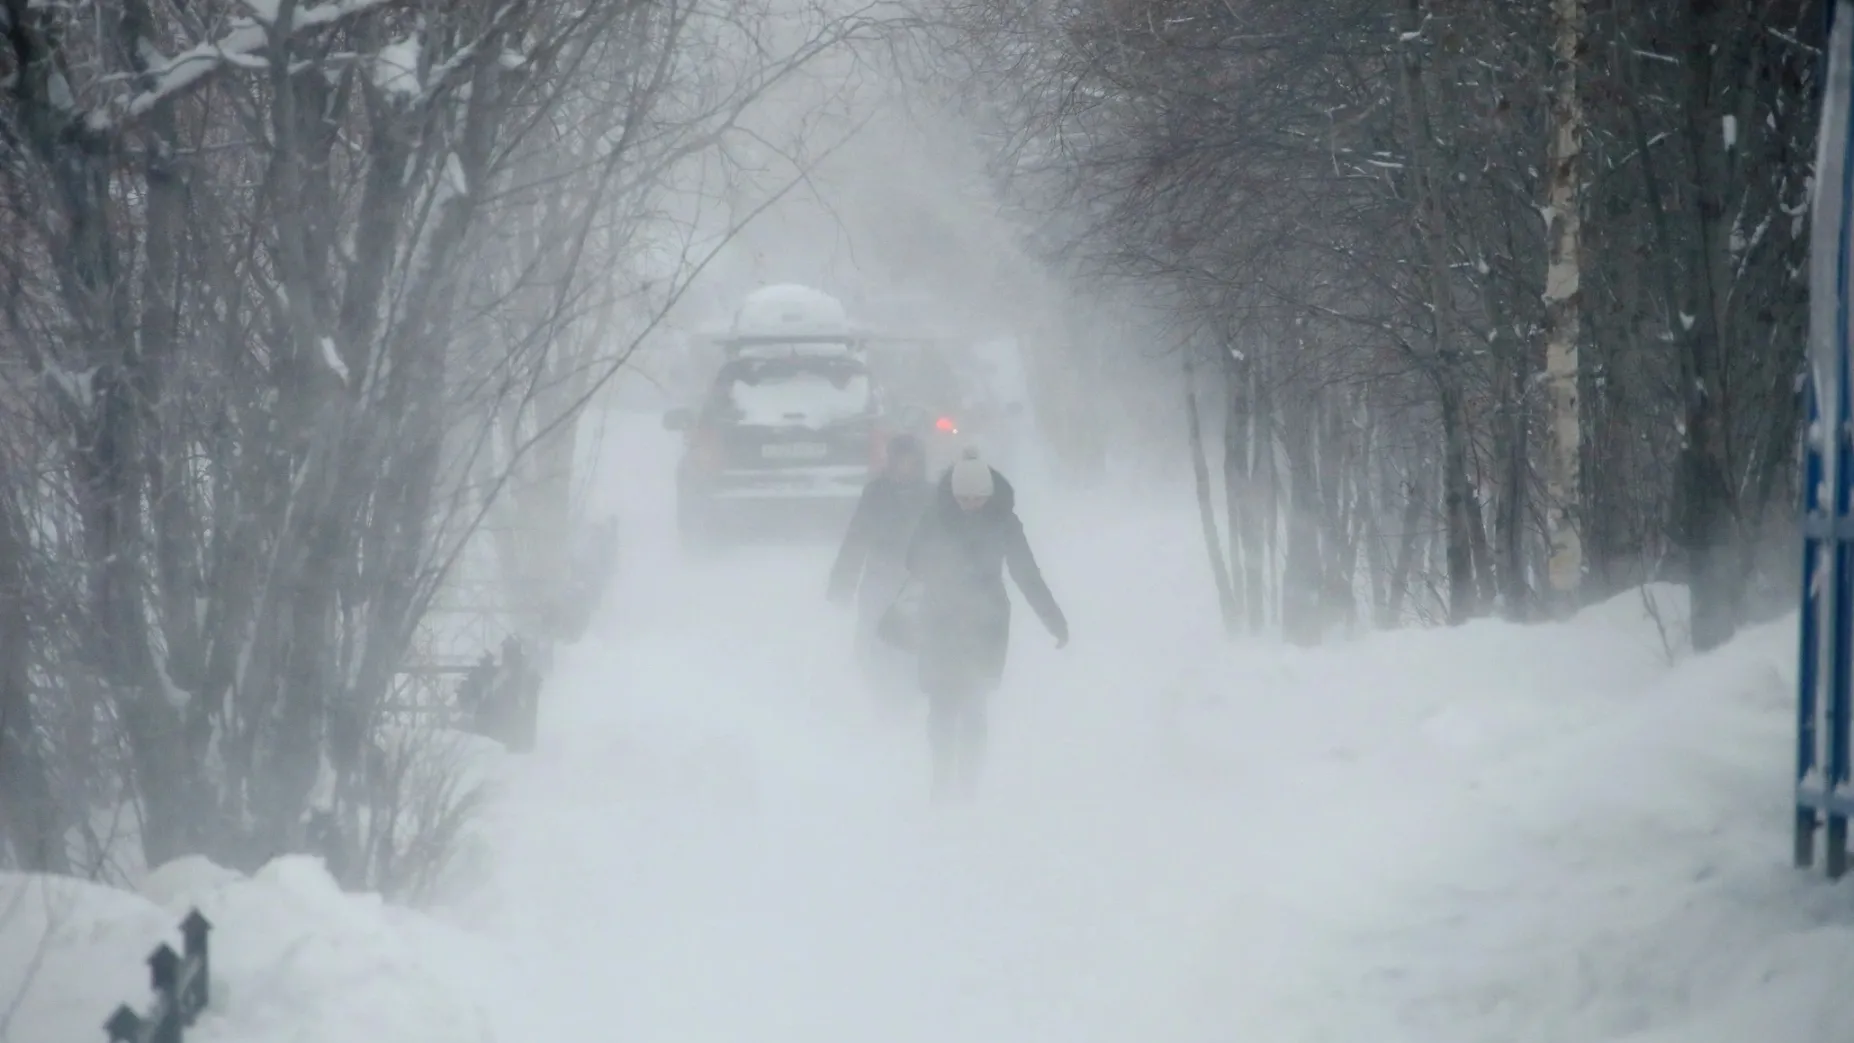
[{"x": 182, "y": 987}]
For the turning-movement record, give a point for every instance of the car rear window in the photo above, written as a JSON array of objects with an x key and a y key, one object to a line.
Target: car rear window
[{"x": 811, "y": 392}]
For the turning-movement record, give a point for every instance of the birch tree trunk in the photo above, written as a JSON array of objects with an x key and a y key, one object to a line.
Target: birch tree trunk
[{"x": 1562, "y": 303}]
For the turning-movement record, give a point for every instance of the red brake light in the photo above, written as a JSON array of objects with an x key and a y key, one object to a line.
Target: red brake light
[
  {"x": 707, "y": 449},
  {"x": 946, "y": 424}
]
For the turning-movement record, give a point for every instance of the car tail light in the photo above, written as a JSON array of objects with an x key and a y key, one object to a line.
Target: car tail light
[
  {"x": 706, "y": 449},
  {"x": 878, "y": 449},
  {"x": 945, "y": 425}
]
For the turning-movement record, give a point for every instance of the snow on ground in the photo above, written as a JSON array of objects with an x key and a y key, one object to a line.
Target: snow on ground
[
  {"x": 1490, "y": 833},
  {"x": 1600, "y": 847},
  {"x": 293, "y": 958}
]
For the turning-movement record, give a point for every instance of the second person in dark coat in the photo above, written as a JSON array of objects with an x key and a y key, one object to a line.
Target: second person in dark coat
[{"x": 871, "y": 566}]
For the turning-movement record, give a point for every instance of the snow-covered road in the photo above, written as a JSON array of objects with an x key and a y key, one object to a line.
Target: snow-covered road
[
  {"x": 718, "y": 839},
  {"x": 731, "y": 843}
]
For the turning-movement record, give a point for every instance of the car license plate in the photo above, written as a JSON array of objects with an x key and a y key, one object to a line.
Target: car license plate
[{"x": 794, "y": 451}]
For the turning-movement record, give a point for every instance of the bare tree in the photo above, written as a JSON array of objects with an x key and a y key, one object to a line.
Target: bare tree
[
  {"x": 285, "y": 276},
  {"x": 1355, "y": 185}
]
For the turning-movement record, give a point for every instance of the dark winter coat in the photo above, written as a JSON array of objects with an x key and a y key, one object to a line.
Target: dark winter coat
[
  {"x": 958, "y": 558},
  {"x": 880, "y": 531}
]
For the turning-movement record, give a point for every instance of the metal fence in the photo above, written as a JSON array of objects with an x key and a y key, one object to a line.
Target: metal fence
[
  {"x": 497, "y": 697},
  {"x": 1825, "y": 652},
  {"x": 182, "y": 984}
]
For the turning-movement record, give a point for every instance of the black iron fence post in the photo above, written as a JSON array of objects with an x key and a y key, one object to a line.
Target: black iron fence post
[
  {"x": 193, "y": 931},
  {"x": 182, "y": 987}
]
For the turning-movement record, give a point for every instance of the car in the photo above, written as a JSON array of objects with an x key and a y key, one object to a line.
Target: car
[{"x": 782, "y": 436}]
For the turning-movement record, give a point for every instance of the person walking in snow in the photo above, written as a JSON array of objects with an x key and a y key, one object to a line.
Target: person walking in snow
[
  {"x": 871, "y": 566},
  {"x": 969, "y": 536}
]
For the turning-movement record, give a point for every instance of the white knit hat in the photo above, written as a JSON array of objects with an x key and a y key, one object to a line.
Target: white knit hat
[{"x": 971, "y": 477}]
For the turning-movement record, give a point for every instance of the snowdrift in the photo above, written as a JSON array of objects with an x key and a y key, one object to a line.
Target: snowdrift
[
  {"x": 1571, "y": 839},
  {"x": 293, "y": 958}
]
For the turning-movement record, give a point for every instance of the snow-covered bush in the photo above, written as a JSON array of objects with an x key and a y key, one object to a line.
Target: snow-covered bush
[{"x": 409, "y": 826}]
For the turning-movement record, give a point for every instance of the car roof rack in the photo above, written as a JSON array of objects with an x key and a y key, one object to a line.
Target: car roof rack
[{"x": 787, "y": 346}]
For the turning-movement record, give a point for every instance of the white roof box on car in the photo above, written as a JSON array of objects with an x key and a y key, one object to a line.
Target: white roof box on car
[{"x": 788, "y": 310}]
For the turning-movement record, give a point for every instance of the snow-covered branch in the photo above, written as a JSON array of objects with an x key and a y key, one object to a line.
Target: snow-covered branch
[{"x": 239, "y": 47}]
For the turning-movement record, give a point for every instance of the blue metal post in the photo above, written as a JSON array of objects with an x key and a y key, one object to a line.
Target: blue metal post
[
  {"x": 1825, "y": 668},
  {"x": 1838, "y": 434},
  {"x": 1841, "y": 600},
  {"x": 1808, "y": 664}
]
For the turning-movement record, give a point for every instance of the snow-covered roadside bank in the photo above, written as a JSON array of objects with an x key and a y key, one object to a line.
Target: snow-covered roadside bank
[
  {"x": 1601, "y": 854},
  {"x": 1642, "y": 889},
  {"x": 293, "y": 959}
]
